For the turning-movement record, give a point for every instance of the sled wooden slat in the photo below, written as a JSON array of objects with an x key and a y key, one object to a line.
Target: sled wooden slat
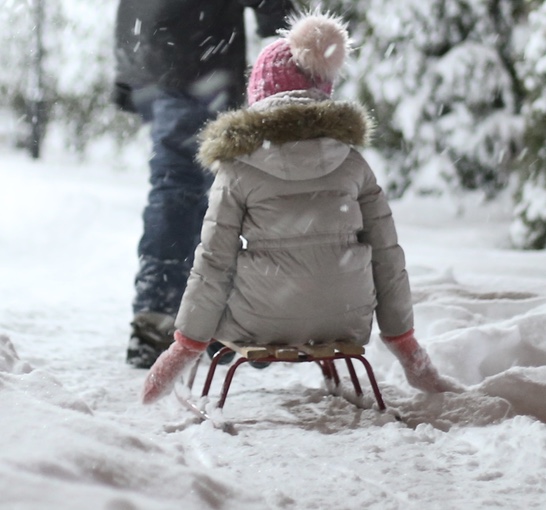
[
  {"x": 318, "y": 351},
  {"x": 248, "y": 351},
  {"x": 349, "y": 348},
  {"x": 284, "y": 353},
  {"x": 253, "y": 352}
]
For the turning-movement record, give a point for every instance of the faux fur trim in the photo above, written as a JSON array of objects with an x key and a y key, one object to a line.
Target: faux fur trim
[{"x": 241, "y": 132}]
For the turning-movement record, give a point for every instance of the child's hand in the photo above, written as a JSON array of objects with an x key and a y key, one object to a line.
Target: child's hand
[
  {"x": 419, "y": 370},
  {"x": 181, "y": 356}
]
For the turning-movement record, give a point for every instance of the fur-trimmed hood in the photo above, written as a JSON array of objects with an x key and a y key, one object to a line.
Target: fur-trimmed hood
[{"x": 277, "y": 132}]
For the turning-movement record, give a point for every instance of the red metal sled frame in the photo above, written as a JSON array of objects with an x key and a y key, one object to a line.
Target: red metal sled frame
[{"x": 326, "y": 364}]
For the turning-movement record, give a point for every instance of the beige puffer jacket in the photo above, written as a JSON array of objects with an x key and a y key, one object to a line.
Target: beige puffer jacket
[{"x": 298, "y": 242}]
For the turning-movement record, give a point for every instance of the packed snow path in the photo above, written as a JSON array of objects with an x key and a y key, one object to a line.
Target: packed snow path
[{"x": 74, "y": 434}]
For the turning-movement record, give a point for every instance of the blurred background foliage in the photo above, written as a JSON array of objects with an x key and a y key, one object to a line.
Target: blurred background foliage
[{"x": 457, "y": 88}]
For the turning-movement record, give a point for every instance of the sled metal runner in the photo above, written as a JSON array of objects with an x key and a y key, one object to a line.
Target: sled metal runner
[
  {"x": 324, "y": 355},
  {"x": 204, "y": 416}
]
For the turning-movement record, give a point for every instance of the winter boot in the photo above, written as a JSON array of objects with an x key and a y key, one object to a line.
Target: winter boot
[
  {"x": 152, "y": 333},
  {"x": 259, "y": 364},
  {"x": 214, "y": 347}
]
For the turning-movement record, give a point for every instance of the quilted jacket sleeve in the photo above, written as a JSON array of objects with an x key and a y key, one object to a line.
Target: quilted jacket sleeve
[
  {"x": 394, "y": 311},
  {"x": 215, "y": 260}
]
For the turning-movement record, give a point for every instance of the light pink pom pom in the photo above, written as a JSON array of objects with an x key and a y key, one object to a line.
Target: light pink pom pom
[{"x": 319, "y": 44}]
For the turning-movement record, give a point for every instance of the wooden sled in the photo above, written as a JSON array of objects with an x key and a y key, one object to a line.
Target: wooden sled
[{"x": 323, "y": 354}]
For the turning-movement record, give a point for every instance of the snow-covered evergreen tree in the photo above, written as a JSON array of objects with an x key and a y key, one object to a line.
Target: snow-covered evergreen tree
[
  {"x": 529, "y": 226},
  {"x": 78, "y": 65},
  {"x": 83, "y": 38},
  {"x": 438, "y": 74},
  {"x": 440, "y": 77},
  {"x": 15, "y": 55}
]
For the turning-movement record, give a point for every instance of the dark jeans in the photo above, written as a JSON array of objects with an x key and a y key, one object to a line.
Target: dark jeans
[{"x": 176, "y": 202}]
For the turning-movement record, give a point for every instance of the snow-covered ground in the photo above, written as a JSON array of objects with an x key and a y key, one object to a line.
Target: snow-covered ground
[{"x": 73, "y": 434}]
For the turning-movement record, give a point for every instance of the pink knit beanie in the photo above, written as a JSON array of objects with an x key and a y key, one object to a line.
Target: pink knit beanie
[{"x": 309, "y": 55}]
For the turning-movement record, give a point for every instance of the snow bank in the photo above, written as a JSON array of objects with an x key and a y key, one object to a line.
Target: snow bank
[{"x": 56, "y": 453}]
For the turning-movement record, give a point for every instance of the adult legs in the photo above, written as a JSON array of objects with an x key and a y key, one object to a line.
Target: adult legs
[{"x": 172, "y": 222}]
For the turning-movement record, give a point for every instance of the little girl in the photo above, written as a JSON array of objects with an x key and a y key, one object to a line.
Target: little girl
[{"x": 298, "y": 242}]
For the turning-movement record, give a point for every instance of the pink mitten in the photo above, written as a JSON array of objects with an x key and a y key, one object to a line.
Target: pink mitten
[
  {"x": 419, "y": 370},
  {"x": 180, "y": 356}
]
